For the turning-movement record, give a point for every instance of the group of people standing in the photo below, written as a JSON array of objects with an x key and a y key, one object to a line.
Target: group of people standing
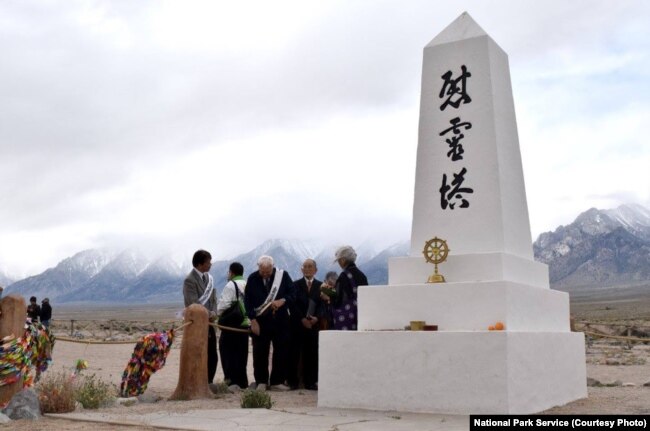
[
  {"x": 42, "y": 313},
  {"x": 275, "y": 311}
]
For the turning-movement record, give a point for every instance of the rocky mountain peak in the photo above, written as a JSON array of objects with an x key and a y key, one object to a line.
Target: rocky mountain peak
[
  {"x": 90, "y": 262},
  {"x": 595, "y": 221},
  {"x": 600, "y": 248},
  {"x": 633, "y": 217},
  {"x": 128, "y": 263}
]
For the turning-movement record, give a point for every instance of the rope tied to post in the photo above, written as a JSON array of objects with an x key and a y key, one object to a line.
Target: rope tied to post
[{"x": 231, "y": 329}]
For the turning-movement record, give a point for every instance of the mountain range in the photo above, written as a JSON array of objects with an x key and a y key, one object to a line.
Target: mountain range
[
  {"x": 601, "y": 248},
  {"x": 103, "y": 275}
]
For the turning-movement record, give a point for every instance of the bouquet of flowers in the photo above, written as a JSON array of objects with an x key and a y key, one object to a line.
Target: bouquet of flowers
[{"x": 328, "y": 290}]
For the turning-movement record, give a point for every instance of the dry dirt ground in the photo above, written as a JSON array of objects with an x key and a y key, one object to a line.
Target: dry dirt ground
[{"x": 607, "y": 362}]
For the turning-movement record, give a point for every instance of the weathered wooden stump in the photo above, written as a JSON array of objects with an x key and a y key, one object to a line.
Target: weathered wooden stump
[
  {"x": 13, "y": 312},
  {"x": 193, "y": 370}
]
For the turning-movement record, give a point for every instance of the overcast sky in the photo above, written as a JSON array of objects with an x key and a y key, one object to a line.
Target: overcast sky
[{"x": 181, "y": 124}]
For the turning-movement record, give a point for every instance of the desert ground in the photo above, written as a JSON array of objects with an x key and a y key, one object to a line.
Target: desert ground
[{"x": 622, "y": 368}]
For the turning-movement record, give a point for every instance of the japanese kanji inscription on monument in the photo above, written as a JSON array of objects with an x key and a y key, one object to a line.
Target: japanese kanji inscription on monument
[{"x": 454, "y": 93}]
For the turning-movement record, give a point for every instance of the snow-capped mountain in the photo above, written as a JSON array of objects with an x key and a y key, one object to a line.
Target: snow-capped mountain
[
  {"x": 159, "y": 282},
  {"x": 634, "y": 218},
  {"x": 67, "y": 276},
  {"x": 600, "y": 248},
  {"x": 114, "y": 280}
]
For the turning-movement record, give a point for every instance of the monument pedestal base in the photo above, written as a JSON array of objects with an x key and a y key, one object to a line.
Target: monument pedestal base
[
  {"x": 469, "y": 372},
  {"x": 468, "y": 306}
]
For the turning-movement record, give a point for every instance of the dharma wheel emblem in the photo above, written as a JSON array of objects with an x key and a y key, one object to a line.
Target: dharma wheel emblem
[{"x": 436, "y": 251}]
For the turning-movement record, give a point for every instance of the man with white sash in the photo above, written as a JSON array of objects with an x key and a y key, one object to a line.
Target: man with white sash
[
  {"x": 269, "y": 292},
  {"x": 198, "y": 288}
]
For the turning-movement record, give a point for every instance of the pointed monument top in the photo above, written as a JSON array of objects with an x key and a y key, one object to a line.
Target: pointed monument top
[{"x": 463, "y": 27}]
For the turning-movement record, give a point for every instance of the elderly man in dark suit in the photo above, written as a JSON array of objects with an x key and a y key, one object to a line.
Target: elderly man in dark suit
[
  {"x": 269, "y": 293},
  {"x": 198, "y": 288},
  {"x": 304, "y": 328}
]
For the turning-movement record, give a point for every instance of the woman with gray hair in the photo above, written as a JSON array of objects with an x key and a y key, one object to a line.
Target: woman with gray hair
[{"x": 344, "y": 312}]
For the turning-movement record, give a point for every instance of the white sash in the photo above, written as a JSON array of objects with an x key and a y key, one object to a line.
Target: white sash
[
  {"x": 203, "y": 299},
  {"x": 208, "y": 291},
  {"x": 275, "y": 287}
]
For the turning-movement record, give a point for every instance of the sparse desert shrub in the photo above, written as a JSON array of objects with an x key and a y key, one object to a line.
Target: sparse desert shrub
[
  {"x": 56, "y": 393},
  {"x": 92, "y": 392},
  {"x": 219, "y": 388},
  {"x": 252, "y": 399}
]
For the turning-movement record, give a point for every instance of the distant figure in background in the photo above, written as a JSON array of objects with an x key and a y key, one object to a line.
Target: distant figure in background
[
  {"x": 327, "y": 294},
  {"x": 1, "y": 289},
  {"x": 46, "y": 312},
  {"x": 198, "y": 288},
  {"x": 33, "y": 309},
  {"x": 304, "y": 328},
  {"x": 344, "y": 311},
  {"x": 233, "y": 346}
]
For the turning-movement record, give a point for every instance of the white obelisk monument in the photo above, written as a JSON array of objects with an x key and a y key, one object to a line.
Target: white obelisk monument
[{"x": 469, "y": 191}]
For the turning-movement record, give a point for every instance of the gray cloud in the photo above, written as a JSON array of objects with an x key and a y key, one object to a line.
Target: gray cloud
[{"x": 96, "y": 94}]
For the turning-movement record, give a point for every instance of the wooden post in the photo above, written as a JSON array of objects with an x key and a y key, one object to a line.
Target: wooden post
[
  {"x": 110, "y": 329},
  {"x": 72, "y": 327},
  {"x": 193, "y": 369},
  {"x": 629, "y": 334},
  {"x": 13, "y": 313}
]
